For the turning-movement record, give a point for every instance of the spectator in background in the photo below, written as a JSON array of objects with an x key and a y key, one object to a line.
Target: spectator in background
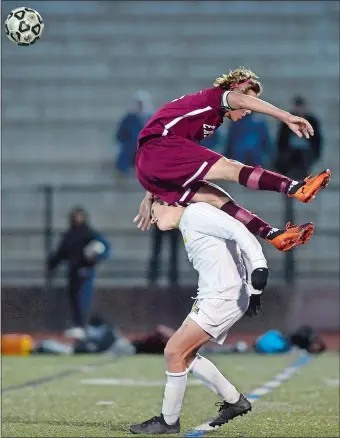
[
  {"x": 248, "y": 141},
  {"x": 81, "y": 248},
  {"x": 295, "y": 155},
  {"x": 155, "y": 259},
  {"x": 128, "y": 129}
]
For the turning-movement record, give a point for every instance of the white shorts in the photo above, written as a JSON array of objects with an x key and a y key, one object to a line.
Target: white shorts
[{"x": 217, "y": 315}]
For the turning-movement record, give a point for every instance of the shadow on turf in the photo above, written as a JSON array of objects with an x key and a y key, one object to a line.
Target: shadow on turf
[{"x": 119, "y": 427}]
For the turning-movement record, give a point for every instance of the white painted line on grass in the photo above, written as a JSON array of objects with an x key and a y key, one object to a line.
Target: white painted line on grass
[
  {"x": 130, "y": 382},
  {"x": 103, "y": 403},
  {"x": 332, "y": 382},
  {"x": 257, "y": 393}
]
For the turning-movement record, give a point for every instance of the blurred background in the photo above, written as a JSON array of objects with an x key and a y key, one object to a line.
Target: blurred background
[{"x": 72, "y": 106}]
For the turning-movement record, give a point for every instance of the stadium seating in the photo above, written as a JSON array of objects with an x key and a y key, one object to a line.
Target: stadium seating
[{"x": 63, "y": 96}]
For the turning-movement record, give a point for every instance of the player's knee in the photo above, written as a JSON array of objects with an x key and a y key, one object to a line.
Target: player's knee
[
  {"x": 224, "y": 169},
  {"x": 172, "y": 352}
]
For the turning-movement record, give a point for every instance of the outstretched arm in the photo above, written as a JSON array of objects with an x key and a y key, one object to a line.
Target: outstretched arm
[{"x": 298, "y": 125}]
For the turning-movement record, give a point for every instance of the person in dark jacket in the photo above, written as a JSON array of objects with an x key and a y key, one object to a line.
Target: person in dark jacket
[
  {"x": 82, "y": 248},
  {"x": 128, "y": 129},
  {"x": 295, "y": 155}
]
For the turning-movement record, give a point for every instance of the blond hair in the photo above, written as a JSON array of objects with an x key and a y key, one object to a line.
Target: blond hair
[{"x": 235, "y": 79}]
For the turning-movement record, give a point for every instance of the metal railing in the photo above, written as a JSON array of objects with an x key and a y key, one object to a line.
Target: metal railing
[{"x": 28, "y": 227}]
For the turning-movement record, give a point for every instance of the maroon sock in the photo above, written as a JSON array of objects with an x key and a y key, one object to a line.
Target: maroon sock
[
  {"x": 260, "y": 179},
  {"x": 252, "y": 222}
]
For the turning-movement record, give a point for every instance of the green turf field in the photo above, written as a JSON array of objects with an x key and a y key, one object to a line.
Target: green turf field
[{"x": 307, "y": 405}]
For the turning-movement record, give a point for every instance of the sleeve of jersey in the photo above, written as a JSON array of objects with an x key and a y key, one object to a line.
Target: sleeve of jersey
[
  {"x": 224, "y": 101},
  {"x": 218, "y": 98},
  {"x": 214, "y": 222}
]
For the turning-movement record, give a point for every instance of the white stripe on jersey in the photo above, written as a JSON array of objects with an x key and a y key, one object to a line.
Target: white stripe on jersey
[
  {"x": 178, "y": 119},
  {"x": 200, "y": 170},
  {"x": 184, "y": 196}
]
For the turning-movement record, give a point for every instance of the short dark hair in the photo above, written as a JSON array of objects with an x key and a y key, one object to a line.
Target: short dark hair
[
  {"x": 159, "y": 201},
  {"x": 299, "y": 100}
]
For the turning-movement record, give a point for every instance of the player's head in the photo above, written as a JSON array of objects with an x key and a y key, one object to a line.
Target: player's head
[
  {"x": 165, "y": 216},
  {"x": 77, "y": 217},
  {"x": 242, "y": 80},
  {"x": 299, "y": 106}
]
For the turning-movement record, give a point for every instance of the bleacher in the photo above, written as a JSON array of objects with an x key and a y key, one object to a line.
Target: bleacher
[{"x": 63, "y": 96}]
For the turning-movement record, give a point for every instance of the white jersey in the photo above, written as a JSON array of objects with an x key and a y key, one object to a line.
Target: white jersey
[{"x": 221, "y": 249}]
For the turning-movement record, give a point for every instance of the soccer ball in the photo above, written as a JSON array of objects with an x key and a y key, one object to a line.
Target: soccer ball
[{"x": 24, "y": 26}]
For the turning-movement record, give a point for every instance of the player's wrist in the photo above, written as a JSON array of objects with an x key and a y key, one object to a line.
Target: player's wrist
[
  {"x": 284, "y": 117},
  {"x": 149, "y": 196},
  {"x": 259, "y": 263}
]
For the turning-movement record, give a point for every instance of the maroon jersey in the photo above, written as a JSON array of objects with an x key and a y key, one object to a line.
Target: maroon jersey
[{"x": 193, "y": 116}]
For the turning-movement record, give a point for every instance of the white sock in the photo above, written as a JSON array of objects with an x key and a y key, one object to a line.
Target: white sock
[
  {"x": 173, "y": 396},
  {"x": 206, "y": 371}
]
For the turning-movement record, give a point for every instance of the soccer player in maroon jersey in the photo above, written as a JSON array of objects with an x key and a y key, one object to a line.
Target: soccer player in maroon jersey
[{"x": 172, "y": 166}]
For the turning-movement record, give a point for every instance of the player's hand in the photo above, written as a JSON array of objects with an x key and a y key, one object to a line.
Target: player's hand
[
  {"x": 254, "y": 305},
  {"x": 301, "y": 127},
  {"x": 259, "y": 278},
  {"x": 143, "y": 218}
]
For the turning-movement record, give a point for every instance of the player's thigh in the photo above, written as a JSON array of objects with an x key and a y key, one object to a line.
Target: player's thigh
[
  {"x": 174, "y": 161},
  {"x": 186, "y": 340},
  {"x": 216, "y": 316},
  {"x": 212, "y": 194},
  {"x": 224, "y": 169}
]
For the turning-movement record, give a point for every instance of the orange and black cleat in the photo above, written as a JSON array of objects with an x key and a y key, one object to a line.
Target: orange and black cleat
[
  {"x": 305, "y": 191},
  {"x": 293, "y": 235}
]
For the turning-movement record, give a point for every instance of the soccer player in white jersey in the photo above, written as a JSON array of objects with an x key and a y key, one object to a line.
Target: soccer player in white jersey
[{"x": 232, "y": 275}]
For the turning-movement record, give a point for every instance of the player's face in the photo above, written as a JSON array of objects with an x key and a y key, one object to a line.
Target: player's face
[
  {"x": 161, "y": 216},
  {"x": 238, "y": 114}
]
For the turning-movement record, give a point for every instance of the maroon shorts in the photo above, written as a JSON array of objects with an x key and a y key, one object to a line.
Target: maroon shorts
[{"x": 170, "y": 167}]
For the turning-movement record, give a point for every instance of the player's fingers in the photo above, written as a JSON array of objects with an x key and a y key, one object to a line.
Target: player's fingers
[
  {"x": 149, "y": 226},
  {"x": 297, "y": 131},
  {"x": 310, "y": 129},
  {"x": 145, "y": 226},
  {"x": 136, "y": 218},
  {"x": 140, "y": 224}
]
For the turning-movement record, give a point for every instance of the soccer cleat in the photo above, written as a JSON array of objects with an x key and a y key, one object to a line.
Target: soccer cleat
[
  {"x": 305, "y": 191},
  {"x": 229, "y": 411},
  {"x": 293, "y": 235},
  {"x": 155, "y": 426}
]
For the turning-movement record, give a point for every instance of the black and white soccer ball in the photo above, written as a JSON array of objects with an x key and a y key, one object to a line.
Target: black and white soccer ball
[{"x": 24, "y": 26}]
